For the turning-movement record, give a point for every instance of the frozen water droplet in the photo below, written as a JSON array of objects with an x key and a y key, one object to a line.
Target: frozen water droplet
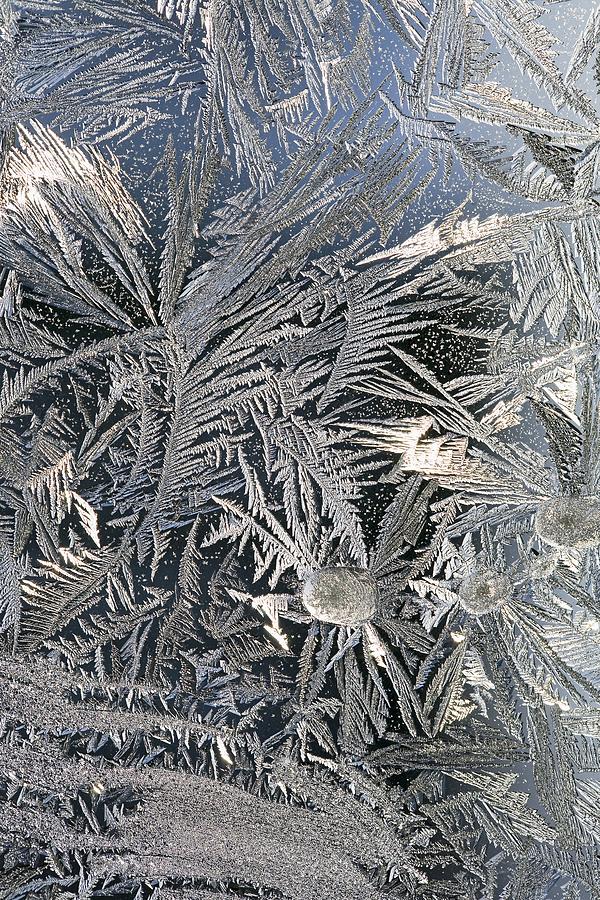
[
  {"x": 340, "y": 595},
  {"x": 484, "y": 591},
  {"x": 570, "y": 522}
]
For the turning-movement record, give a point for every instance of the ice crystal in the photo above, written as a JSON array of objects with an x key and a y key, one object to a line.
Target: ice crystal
[
  {"x": 340, "y": 595},
  {"x": 570, "y": 522},
  {"x": 484, "y": 591},
  {"x": 299, "y": 449}
]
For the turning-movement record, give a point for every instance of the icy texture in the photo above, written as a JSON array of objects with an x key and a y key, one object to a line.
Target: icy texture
[
  {"x": 299, "y": 450},
  {"x": 484, "y": 592},
  {"x": 342, "y": 596},
  {"x": 570, "y": 522}
]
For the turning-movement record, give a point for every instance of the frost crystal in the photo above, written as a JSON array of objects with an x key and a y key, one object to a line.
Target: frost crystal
[
  {"x": 299, "y": 313},
  {"x": 570, "y": 522},
  {"x": 544, "y": 565},
  {"x": 484, "y": 592},
  {"x": 341, "y": 595}
]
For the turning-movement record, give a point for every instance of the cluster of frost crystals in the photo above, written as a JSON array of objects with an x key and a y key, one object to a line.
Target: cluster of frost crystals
[
  {"x": 340, "y": 595},
  {"x": 484, "y": 591},
  {"x": 544, "y": 565},
  {"x": 572, "y": 522}
]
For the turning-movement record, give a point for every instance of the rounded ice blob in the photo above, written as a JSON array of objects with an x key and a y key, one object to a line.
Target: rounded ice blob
[
  {"x": 484, "y": 591},
  {"x": 340, "y": 595},
  {"x": 572, "y": 522}
]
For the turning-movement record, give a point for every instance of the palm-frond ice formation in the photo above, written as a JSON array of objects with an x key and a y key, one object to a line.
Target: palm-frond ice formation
[{"x": 299, "y": 449}]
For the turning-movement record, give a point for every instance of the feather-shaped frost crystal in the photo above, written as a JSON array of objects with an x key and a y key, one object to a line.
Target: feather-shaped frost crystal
[
  {"x": 570, "y": 522},
  {"x": 340, "y": 595}
]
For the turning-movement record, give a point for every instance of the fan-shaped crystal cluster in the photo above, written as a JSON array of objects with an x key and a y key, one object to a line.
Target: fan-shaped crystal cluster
[
  {"x": 484, "y": 591},
  {"x": 340, "y": 595},
  {"x": 570, "y": 522}
]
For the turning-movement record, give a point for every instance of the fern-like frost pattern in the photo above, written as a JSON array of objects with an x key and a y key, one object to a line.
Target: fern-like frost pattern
[{"x": 299, "y": 449}]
